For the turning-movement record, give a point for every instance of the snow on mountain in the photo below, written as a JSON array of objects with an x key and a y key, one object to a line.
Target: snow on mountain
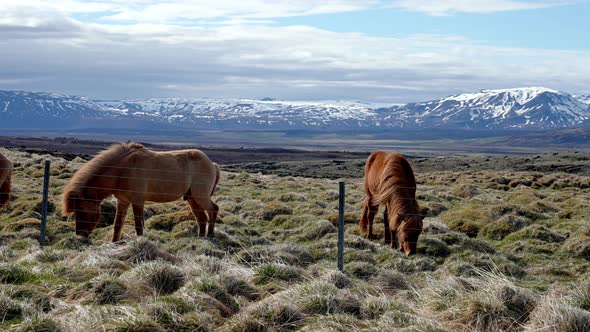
[
  {"x": 584, "y": 98},
  {"x": 267, "y": 112},
  {"x": 533, "y": 107},
  {"x": 522, "y": 108},
  {"x": 27, "y": 109}
]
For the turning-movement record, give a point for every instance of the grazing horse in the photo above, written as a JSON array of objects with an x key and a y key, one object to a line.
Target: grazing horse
[
  {"x": 5, "y": 175},
  {"x": 389, "y": 181},
  {"x": 134, "y": 174}
]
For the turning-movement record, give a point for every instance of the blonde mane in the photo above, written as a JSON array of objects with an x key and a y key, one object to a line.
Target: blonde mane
[
  {"x": 397, "y": 187},
  {"x": 83, "y": 176}
]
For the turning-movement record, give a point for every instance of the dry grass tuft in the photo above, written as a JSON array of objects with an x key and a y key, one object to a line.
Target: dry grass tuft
[
  {"x": 578, "y": 245},
  {"x": 266, "y": 273},
  {"x": 12, "y": 273},
  {"x": 141, "y": 250},
  {"x": 160, "y": 276},
  {"x": 390, "y": 281},
  {"x": 110, "y": 290},
  {"x": 40, "y": 324},
  {"x": 266, "y": 316},
  {"x": 557, "y": 312}
]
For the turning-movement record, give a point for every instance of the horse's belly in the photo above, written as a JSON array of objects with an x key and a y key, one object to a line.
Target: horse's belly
[{"x": 165, "y": 191}]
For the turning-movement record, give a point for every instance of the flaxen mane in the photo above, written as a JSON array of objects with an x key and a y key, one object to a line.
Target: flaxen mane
[
  {"x": 397, "y": 187},
  {"x": 85, "y": 174}
]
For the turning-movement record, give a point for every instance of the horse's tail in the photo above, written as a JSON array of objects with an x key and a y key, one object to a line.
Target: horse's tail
[
  {"x": 5, "y": 189},
  {"x": 364, "y": 222},
  {"x": 217, "y": 175}
]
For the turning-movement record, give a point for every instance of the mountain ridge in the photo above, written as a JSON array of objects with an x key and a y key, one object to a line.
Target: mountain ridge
[{"x": 512, "y": 109}]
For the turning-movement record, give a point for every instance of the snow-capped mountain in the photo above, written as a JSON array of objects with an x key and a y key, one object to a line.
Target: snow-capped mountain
[
  {"x": 20, "y": 109},
  {"x": 539, "y": 108},
  {"x": 584, "y": 98},
  {"x": 522, "y": 108},
  {"x": 245, "y": 113}
]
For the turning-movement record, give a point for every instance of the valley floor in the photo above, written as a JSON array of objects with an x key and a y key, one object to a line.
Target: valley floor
[{"x": 504, "y": 249}]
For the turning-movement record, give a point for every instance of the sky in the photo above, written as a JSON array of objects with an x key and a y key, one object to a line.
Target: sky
[{"x": 390, "y": 51}]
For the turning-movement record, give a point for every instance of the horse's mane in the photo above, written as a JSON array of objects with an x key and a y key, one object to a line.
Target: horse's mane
[
  {"x": 87, "y": 172},
  {"x": 397, "y": 186}
]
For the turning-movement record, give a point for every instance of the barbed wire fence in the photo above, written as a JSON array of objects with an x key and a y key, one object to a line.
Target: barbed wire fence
[{"x": 196, "y": 209}]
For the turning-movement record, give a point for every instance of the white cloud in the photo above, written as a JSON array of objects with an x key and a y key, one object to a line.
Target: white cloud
[
  {"x": 49, "y": 50},
  {"x": 160, "y": 11},
  {"x": 447, "y": 7}
]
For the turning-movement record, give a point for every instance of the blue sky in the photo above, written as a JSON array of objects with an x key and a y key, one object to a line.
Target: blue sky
[
  {"x": 373, "y": 50},
  {"x": 561, "y": 27}
]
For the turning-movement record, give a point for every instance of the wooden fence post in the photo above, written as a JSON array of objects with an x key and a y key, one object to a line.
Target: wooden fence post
[
  {"x": 44, "y": 206},
  {"x": 341, "y": 227}
]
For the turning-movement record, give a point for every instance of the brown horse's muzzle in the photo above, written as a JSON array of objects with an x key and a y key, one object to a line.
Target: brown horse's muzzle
[
  {"x": 408, "y": 248},
  {"x": 83, "y": 233}
]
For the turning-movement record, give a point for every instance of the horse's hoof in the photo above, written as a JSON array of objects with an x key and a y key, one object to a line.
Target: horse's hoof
[{"x": 211, "y": 235}]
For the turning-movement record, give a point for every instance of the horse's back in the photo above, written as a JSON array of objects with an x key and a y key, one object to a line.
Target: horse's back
[
  {"x": 383, "y": 165},
  {"x": 162, "y": 176}
]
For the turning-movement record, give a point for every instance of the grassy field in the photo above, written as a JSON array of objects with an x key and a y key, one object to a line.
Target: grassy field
[{"x": 506, "y": 247}]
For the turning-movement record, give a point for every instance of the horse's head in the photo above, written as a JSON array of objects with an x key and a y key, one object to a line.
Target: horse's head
[
  {"x": 86, "y": 212},
  {"x": 408, "y": 232}
]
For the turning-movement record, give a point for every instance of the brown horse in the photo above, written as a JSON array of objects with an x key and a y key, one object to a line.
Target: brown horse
[
  {"x": 389, "y": 181},
  {"x": 134, "y": 174},
  {"x": 5, "y": 175}
]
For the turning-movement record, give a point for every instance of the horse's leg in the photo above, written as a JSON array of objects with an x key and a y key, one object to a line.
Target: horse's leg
[
  {"x": 372, "y": 211},
  {"x": 386, "y": 231},
  {"x": 120, "y": 217},
  {"x": 199, "y": 214},
  {"x": 365, "y": 218},
  {"x": 394, "y": 241},
  {"x": 206, "y": 204},
  {"x": 138, "y": 217},
  {"x": 212, "y": 212},
  {"x": 394, "y": 225}
]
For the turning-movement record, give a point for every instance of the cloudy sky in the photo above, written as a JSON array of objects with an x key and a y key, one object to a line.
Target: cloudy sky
[{"x": 373, "y": 50}]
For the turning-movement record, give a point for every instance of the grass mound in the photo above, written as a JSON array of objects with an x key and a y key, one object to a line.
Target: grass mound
[
  {"x": 269, "y": 272},
  {"x": 161, "y": 277},
  {"x": 556, "y": 312},
  {"x": 12, "y": 273},
  {"x": 40, "y": 324},
  {"x": 110, "y": 290},
  {"x": 391, "y": 280},
  {"x": 267, "y": 316},
  {"x": 142, "y": 250}
]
